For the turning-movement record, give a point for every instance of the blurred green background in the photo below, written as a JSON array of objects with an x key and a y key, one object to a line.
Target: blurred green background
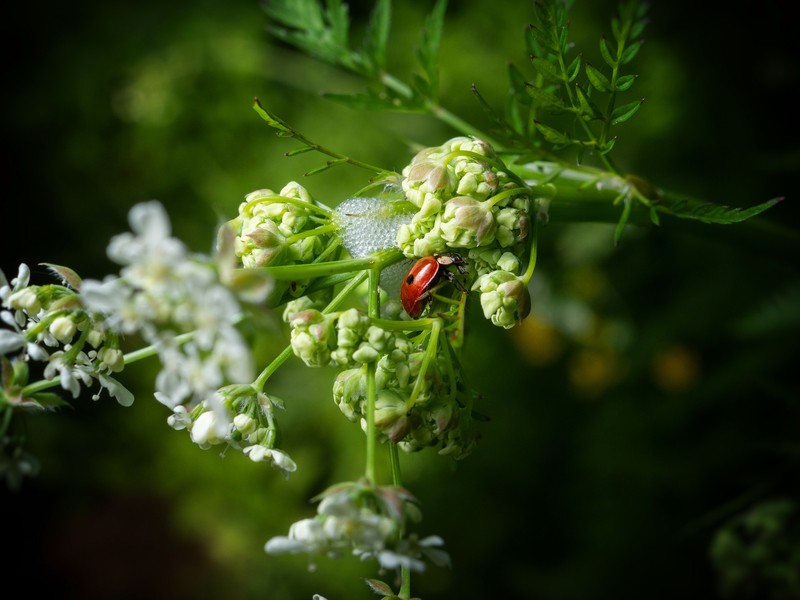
[{"x": 648, "y": 400}]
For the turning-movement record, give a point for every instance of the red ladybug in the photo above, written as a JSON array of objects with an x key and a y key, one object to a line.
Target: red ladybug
[{"x": 423, "y": 278}]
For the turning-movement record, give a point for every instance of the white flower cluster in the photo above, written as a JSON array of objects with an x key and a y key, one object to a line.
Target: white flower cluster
[
  {"x": 49, "y": 324},
  {"x": 366, "y": 520},
  {"x": 164, "y": 291}
]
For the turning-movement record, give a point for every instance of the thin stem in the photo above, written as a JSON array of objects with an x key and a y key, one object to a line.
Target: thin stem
[
  {"x": 534, "y": 249},
  {"x": 378, "y": 259},
  {"x": 430, "y": 355},
  {"x": 372, "y": 391},
  {"x": 261, "y": 380}
]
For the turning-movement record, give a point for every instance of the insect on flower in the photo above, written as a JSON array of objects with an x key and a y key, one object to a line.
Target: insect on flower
[{"x": 425, "y": 276}]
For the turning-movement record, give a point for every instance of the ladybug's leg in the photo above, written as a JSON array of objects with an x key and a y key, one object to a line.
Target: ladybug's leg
[{"x": 451, "y": 277}]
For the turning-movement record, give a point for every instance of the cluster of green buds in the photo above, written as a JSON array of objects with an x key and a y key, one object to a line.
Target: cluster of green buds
[
  {"x": 419, "y": 400},
  {"x": 367, "y": 520},
  {"x": 286, "y": 228},
  {"x": 469, "y": 202}
]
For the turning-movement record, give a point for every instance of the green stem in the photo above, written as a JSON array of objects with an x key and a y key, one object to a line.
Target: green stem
[
  {"x": 334, "y": 304},
  {"x": 311, "y": 232},
  {"x": 437, "y": 110},
  {"x": 534, "y": 249},
  {"x": 261, "y": 380},
  {"x": 430, "y": 355},
  {"x": 372, "y": 391},
  {"x": 380, "y": 260},
  {"x": 292, "y": 201}
]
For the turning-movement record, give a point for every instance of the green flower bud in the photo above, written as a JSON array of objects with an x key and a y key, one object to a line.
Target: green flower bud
[
  {"x": 503, "y": 298},
  {"x": 63, "y": 328},
  {"x": 111, "y": 358},
  {"x": 206, "y": 430},
  {"x": 467, "y": 223},
  {"x": 245, "y": 424},
  {"x": 312, "y": 337},
  {"x": 349, "y": 389},
  {"x": 389, "y": 406},
  {"x": 261, "y": 245},
  {"x": 25, "y": 299}
]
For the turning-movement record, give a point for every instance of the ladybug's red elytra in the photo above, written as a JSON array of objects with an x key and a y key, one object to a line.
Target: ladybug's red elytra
[{"x": 424, "y": 276}]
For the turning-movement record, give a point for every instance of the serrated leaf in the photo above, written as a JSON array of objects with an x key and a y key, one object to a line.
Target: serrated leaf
[
  {"x": 546, "y": 69},
  {"x": 545, "y": 99},
  {"x": 597, "y": 79},
  {"x": 67, "y": 276},
  {"x": 625, "y": 112},
  {"x": 625, "y": 82},
  {"x": 376, "y": 36},
  {"x": 611, "y": 61},
  {"x": 552, "y": 135},
  {"x": 630, "y": 53},
  {"x": 689, "y": 208}
]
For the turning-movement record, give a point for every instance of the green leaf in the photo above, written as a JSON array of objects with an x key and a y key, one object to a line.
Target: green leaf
[
  {"x": 611, "y": 61},
  {"x": 607, "y": 147},
  {"x": 552, "y": 135},
  {"x": 518, "y": 82},
  {"x": 376, "y": 37},
  {"x": 271, "y": 119},
  {"x": 546, "y": 69},
  {"x": 430, "y": 39},
  {"x": 625, "y": 82},
  {"x": 49, "y": 400},
  {"x": 69, "y": 277},
  {"x": 574, "y": 68},
  {"x": 625, "y": 112},
  {"x": 379, "y": 587},
  {"x": 689, "y": 208},
  {"x": 630, "y": 53},
  {"x": 588, "y": 109},
  {"x": 545, "y": 99},
  {"x": 339, "y": 20},
  {"x": 597, "y": 79},
  {"x": 623, "y": 220}
]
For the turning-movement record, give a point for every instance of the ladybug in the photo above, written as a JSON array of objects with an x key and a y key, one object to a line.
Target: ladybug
[{"x": 423, "y": 277}]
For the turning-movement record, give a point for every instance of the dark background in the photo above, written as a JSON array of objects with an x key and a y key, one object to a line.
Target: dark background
[{"x": 649, "y": 399}]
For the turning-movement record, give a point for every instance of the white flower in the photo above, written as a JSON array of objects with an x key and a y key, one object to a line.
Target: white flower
[
  {"x": 278, "y": 458},
  {"x": 71, "y": 375},
  {"x": 306, "y": 535},
  {"x": 179, "y": 419},
  {"x": 116, "y": 389},
  {"x": 11, "y": 341},
  {"x": 63, "y": 329},
  {"x": 208, "y": 429}
]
